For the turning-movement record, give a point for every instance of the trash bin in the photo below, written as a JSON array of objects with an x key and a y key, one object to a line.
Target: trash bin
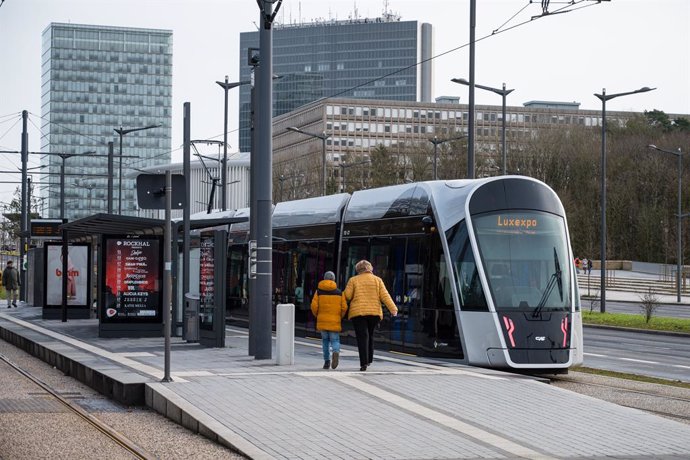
[{"x": 191, "y": 317}]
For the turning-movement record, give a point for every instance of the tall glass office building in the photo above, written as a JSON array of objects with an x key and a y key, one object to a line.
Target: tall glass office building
[
  {"x": 96, "y": 79},
  {"x": 355, "y": 58}
]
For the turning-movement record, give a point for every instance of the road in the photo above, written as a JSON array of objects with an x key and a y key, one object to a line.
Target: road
[{"x": 655, "y": 355}]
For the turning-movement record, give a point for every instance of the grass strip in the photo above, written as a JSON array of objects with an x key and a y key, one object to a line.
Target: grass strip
[{"x": 657, "y": 323}]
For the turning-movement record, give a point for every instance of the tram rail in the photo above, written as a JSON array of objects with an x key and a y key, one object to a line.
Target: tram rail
[
  {"x": 126, "y": 444},
  {"x": 641, "y": 399}
]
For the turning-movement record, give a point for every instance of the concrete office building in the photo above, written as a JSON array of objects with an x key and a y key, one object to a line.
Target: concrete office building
[
  {"x": 354, "y": 58},
  {"x": 96, "y": 79},
  {"x": 356, "y": 126},
  {"x": 202, "y": 174}
]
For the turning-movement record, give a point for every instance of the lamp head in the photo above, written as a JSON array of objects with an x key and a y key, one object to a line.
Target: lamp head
[{"x": 461, "y": 81}]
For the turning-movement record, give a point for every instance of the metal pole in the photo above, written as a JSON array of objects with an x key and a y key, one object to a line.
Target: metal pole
[
  {"x": 186, "y": 212},
  {"x": 119, "y": 187},
  {"x": 24, "y": 211},
  {"x": 253, "y": 180},
  {"x": 470, "y": 123},
  {"x": 65, "y": 244},
  {"x": 603, "y": 203},
  {"x": 435, "y": 141},
  {"x": 224, "y": 177},
  {"x": 323, "y": 164},
  {"x": 680, "y": 245},
  {"x": 503, "y": 129},
  {"x": 264, "y": 186},
  {"x": 167, "y": 285},
  {"x": 110, "y": 177}
]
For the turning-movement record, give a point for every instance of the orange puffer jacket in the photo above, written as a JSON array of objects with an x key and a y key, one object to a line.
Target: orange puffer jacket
[
  {"x": 366, "y": 292},
  {"x": 329, "y": 306}
]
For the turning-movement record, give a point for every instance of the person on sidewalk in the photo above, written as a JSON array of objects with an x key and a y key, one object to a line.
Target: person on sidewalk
[
  {"x": 366, "y": 292},
  {"x": 10, "y": 280},
  {"x": 329, "y": 307}
]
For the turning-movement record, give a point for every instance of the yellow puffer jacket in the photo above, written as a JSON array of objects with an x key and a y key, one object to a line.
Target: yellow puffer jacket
[
  {"x": 366, "y": 292},
  {"x": 329, "y": 306}
]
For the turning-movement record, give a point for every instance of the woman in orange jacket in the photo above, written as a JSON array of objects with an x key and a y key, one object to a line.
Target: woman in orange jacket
[
  {"x": 329, "y": 306},
  {"x": 366, "y": 292}
]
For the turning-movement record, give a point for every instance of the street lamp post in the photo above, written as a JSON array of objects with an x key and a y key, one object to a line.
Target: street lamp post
[
  {"x": 282, "y": 178},
  {"x": 437, "y": 141},
  {"x": 323, "y": 138},
  {"x": 503, "y": 92},
  {"x": 226, "y": 86},
  {"x": 603, "y": 97},
  {"x": 122, "y": 132},
  {"x": 680, "y": 216},
  {"x": 343, "y": 166}
]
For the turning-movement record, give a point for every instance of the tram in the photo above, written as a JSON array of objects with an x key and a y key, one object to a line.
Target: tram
[{"x": 481, "y": 270}]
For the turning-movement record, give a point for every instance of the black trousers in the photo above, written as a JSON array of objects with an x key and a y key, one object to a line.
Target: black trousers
[{"x": 364, "y": 330}]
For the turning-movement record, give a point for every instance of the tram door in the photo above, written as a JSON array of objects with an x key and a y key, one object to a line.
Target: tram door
[{"x": 396, "y": 261}]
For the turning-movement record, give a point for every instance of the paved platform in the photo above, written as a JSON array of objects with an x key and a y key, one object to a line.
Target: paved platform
[{"x": 401, "y": 408}]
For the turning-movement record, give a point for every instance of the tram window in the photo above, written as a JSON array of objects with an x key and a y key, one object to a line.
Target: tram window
[{"x": 467, "y": 278}]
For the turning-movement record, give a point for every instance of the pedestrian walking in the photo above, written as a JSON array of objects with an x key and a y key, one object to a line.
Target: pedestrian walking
[
  {"x": 328, "y": 306},
  {"x": 11, "y": 282},
  {"x": 366, "y": 292},
  {"x": 585, "y": 265}
]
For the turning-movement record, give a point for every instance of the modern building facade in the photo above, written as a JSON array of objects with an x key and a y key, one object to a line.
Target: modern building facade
[
  {"x": 96, "y": 79},
  {"x": 355, "y": 127},
  {"x": 355, "y": 58}
]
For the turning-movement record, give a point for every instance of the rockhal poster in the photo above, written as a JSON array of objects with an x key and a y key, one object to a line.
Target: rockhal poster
[
  {"x": 133, "y": 279},
  {"x": 78, "y": 275}
]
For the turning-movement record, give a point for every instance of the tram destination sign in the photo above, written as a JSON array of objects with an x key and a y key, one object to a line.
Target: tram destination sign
[
  {"x": 48, "y": 229},
  {"x": 133, "y": 279}
]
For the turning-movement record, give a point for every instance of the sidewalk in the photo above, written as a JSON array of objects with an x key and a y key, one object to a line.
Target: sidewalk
[{"x": 401, "y": 408}]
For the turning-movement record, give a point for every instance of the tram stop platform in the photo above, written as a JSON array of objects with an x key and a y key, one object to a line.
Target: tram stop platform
[{"x": 400, "y": 408}]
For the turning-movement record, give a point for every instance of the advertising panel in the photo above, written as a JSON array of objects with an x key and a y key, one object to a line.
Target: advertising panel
[
  {"x": 133, "y": 279},
  {"x": 78, "y": 275},
  {"x": 206, "y": 281}
]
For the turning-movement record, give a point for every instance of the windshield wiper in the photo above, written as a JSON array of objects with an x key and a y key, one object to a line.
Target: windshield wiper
[{"x": 554, "y": 280}]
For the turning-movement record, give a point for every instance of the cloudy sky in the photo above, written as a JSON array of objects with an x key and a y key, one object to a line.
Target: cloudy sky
[{"x": 620, "y": 45}]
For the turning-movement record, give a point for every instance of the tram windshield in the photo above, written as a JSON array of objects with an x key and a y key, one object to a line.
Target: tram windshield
[{"x": 525, "y": 255}]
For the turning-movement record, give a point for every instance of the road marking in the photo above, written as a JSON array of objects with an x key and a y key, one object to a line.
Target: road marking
[
  {"x": 638, "y": 361},
  {"x": 438, "y": 417},
  {"x": 681, "y": 366},
  {"x": 595, "y": 355}
]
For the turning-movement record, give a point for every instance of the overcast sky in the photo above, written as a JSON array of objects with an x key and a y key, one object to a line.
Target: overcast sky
[{"x": 620, "y": 45}]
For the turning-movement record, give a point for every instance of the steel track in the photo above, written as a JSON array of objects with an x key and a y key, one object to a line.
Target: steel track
[{"x": 118, "y": 438}]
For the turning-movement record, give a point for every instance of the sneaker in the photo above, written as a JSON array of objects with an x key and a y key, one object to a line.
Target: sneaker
[
  {"x": 326, "y": 364},
  {"x": 15, "y": 304},
  {"x": 334, "y": 364},
  {"x": 363, "y": 368}
]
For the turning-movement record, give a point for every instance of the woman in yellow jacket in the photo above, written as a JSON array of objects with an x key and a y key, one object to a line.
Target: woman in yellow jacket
[
  {"x": 329, "y": 306},
  {"x": 366, "y": 292}
]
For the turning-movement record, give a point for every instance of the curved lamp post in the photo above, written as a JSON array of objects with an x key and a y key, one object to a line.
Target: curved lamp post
[
  {"x": 123, "y": 132},
  {"x": 437, "y": 141},
  {"x": 223, "y": 177},
  {"x": 680, "y": 216},
  {"x": 503, "y": 92},
  {"x": 323, "y": 138},
  {"x": 603, "y": 97}
]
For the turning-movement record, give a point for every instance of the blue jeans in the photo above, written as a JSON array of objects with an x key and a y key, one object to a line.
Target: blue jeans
[{"x": 330, "y": 339}]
